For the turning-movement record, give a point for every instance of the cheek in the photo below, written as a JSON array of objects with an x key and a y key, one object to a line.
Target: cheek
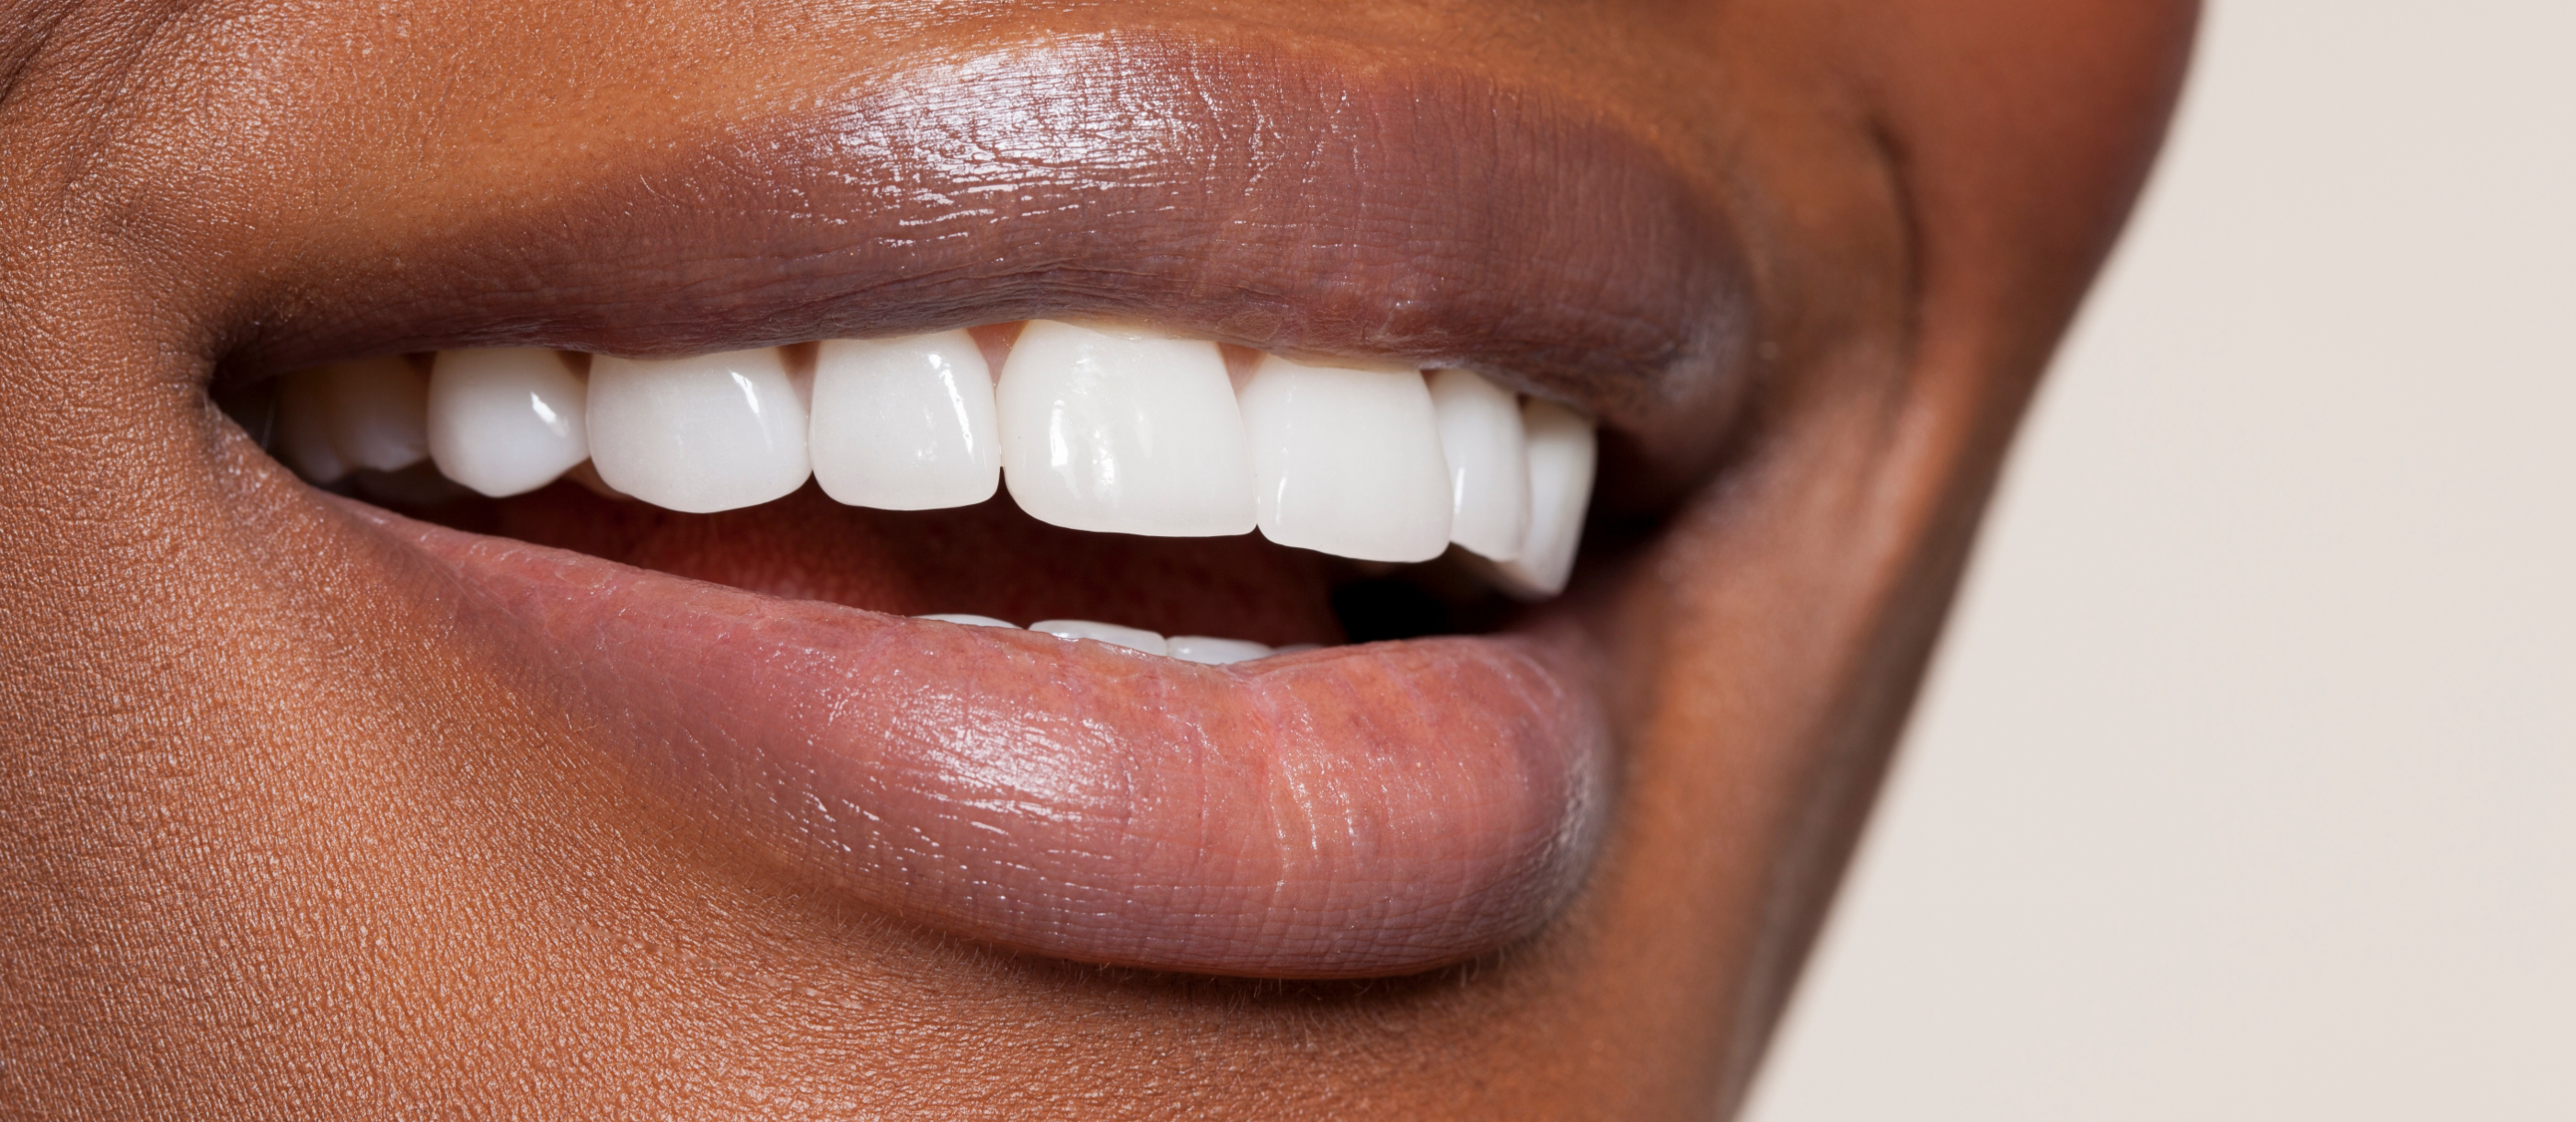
[{"x": 2026, "y": 128}]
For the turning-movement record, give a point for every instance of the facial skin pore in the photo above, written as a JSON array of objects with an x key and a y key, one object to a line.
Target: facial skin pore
[{"x": 288, "y": 829}]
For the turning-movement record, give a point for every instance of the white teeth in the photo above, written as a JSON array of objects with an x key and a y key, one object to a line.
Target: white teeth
[
  {"x": 1123, "y": 432},
  {"x": 304, "y": 428},
  {"x": 1561, "y": 454},
  {"x": 1132, "y": 638},
  {"x": 1214, "y": 651},
  {"x": 700, "y": 434},
  {"x": 506, "y": 421},
  {"x": 1488, "y": 455},
  {"x": 969, "y": 620},
  {"x": 378, "y": 410},
  {"x": 905, "y": 424},
  {"x": 1206, "y": 649},
  {"x": 1092, "y": 428},
  {"x": 1347, "y": 461}
]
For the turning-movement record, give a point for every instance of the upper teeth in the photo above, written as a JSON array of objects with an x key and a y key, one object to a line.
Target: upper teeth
[
  {"x": 700, "y": 434},
  {"x": 1347, "y": 461},
  {"x": 1488, "y": 456},
  {"x": 1560, "y": 484},
  {"x": 1092, "y": 428},
  {"x": 905, "y": 424},
  {"x": 370, "y": 414},
  {"x": 507, "y": 421},
  {"x": 1123, "y": 432}
]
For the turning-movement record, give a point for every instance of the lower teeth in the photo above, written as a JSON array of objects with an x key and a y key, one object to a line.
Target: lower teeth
[{"x": 1205, "y": 649}]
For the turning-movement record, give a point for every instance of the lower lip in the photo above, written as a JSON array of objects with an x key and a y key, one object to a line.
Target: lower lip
[{"x": 1360, "y": 811}]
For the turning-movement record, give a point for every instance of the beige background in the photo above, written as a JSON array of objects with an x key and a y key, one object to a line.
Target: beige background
[{"x": 2245, "y": 787}]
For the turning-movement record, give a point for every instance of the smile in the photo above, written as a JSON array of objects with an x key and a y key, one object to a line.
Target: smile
[
  {"x": 1144, "y": 532},
  {"x": 1109, "y": 431},
  {"x": 881, "y": 557}
]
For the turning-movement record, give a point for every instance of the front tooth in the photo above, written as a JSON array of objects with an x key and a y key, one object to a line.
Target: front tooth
[
  {"x": 304, "y": 427},
  {"x": 506, "y": 421},
  {"x": 1132, "y": 638},
  {"x": 1560, "y": 467},
  {"x": 1214, "y": 651},
  {"x": 1347, "y": 461},
  {"x": 1481, "y": 437},
  {"x": 1123, "y": 432},
  {"x": 905, "y": 424},
  {"x": 379, "y": 412},
  {"x": 699, "y": 434}
]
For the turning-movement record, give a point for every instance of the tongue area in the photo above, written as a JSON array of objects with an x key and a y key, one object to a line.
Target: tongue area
[{"x": 989, "y": 559}]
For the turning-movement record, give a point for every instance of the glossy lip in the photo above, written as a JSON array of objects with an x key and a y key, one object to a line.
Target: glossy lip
[
  {"x": 1307, "y": 198},
  {"x": 1366, "y": 811}
]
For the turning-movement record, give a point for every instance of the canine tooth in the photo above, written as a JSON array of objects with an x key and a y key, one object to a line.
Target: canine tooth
[
  {"x": 1561, "y": 448},
  {"x": 508, "y": 420},
  {"x": 1488, "y": 455},
  {"x": 379, "y": 412},
  {"x": 1123, "y": 432},
  {"x": 1214, "y": 651},
  {"x": 304, "y": 427},
  {"x": 1132, "y": 638},
  {"x": 705, "y": 433},
  {"x": 969, "y": 620},
  {"x": 1347, "y": 461},
  {"x": 905, "y": 424}
]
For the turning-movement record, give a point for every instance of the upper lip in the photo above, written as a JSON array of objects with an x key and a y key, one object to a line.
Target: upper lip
[
  {"x": 1290, "y": 197},
  {"x": 1298, "y": 198}
]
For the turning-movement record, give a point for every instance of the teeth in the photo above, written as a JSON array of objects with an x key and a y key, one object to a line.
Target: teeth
[
  {"x": 1347, "y": 461},
  {"x": 1132, "y": 638},
  {"x": 1206, "y": 649},
  {"x": 1560, "y": 472},
  {"x": 304, "y": 429},
  {"x": 1123, "y": 432},
  {"x": 1489, "y": 479},
  {"x": 970, "y": 620},
  {"x": 378, "y": 413},
  {"x": 905, "y": 424},
  {"x": 700, "y": 434},
  {"x": 1093, "y": 428},
  {"x": 1214, "y": 651},
  {"x": 506, "y": 421}
]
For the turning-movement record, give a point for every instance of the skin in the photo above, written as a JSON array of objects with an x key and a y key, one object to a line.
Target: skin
[{"x": 270, "y": 848}]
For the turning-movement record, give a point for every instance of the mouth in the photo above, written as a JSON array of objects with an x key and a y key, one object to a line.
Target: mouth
[{"x": 1126, "y": 498}]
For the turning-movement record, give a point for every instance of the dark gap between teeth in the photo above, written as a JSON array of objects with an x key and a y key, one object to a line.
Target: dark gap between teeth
[{"x": 1310, "y": 598}]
